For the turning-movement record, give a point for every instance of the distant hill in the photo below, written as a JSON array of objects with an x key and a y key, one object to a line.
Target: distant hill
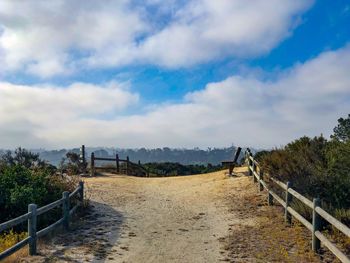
[{"x": 184, "y": 156}]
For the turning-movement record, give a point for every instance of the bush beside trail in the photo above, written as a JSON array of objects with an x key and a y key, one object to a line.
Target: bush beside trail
[
  {"x": 25, "y": 179},
  {"x": 317, "y": 167}
]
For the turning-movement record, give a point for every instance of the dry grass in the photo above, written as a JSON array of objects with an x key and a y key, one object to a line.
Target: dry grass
[
  {"x": 8, "y": 240},
  {"x": 268, "y": 238}
]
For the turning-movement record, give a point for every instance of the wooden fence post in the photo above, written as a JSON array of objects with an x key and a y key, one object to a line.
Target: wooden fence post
[
  {"x": 83, "y": 158},
  {"x": 117, "y": 162},
  {"x": 261, "y": 177},
  {"x": 65, "y": 209},
  {"x": 127, "y": 165},
  {"x": 32, "y": 222},
  {"x": 254, "y": 171},
  {"x": 287, "y": 215},
  {"x": 81, "y": 185},
  {"x": 250, "y": 163},
  {"x": 92, "y": 166},
  {"x": 316, "y": 225},
  {"x": 270, "y": 198},
  {"x": 247, "y": 156}
]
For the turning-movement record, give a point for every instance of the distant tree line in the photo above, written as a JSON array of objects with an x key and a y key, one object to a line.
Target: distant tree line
[{"x": 212, "y": 156}]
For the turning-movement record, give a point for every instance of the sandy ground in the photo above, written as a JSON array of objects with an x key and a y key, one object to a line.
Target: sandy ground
[{"x": 199, "y": 218}]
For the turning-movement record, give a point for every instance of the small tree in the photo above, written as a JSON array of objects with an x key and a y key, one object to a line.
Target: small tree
[
  {"x": 72, "y": 164},
  {"x": 342, "y": 130}
]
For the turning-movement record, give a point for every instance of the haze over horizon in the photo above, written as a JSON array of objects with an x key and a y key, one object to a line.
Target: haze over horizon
[{"x": 172, "y": 73}]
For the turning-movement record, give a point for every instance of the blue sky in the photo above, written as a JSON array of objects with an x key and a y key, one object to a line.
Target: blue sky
[{"x": 172, "y": 73}]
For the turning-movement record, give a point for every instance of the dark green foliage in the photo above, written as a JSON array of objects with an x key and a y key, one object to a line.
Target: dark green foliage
[
  {"x": 20, "y": 186},
  {"x": 338, "y": 173},
  {"x": 259, "y": 155},
  {"x": 21, "y": 157},
  {"x": 25, "y": 179},
  {"x": 174, "y": 169},
  {"x": 72, "y": 164},
  {"x": 301, "y": 162},
  {"x": 342, "y": 131},
  {"x": 316, "y": 168}
]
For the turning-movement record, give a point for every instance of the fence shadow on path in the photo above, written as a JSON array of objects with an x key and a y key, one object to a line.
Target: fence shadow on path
[{"x": 91, "y": 238}]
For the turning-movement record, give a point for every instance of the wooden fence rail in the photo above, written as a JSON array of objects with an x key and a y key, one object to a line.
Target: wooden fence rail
[
  {"x": 315, "y": 205},
  {"x": 117, "y": 160},
  {"x": 31, "y": 218}
]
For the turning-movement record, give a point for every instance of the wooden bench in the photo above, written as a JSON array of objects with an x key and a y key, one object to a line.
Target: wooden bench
[{"x": 231, "y": 164}]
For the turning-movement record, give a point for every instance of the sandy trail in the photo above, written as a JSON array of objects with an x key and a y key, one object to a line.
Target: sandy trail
[
  {"x": 198, "y": 218},
  {"x": 178, "y": 219}
]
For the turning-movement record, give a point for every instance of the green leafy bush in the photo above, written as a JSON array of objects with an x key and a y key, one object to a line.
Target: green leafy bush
[
  {"x": 316, "y": 168},
  {"x": 25, "y": 179}
]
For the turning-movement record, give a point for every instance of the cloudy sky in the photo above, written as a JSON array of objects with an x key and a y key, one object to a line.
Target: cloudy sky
[{"x": 176, "y": 73}]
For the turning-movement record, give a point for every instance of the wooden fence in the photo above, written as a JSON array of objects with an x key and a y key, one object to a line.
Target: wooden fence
[
  {"x": 31, "y": 218},
  {"x": 317, "y": 212},
  {"x": 128, "y": 165}
]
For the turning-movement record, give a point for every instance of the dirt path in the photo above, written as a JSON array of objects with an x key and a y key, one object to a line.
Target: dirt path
[{"x": 178, "y": 219}]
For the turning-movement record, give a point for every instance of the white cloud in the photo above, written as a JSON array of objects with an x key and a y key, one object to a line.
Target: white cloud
[
  {"x": 57, "y": 37},
  {"x": 205, "y": 30},
  {"x": 304, "y": 100},
  {"x": 29, "y": 115},
  {"x": 44, "y": 37}
]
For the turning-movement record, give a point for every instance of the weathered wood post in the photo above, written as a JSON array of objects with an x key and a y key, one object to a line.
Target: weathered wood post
[
  {"x": 316, "y": 225},
  {"x": 287, "y": 215},
  {"x": 270, "y": 198},
  {"x": 32, "y": 222},
  {"x": 247, "y": 156},
  {"x": 261, "y": 178},
  {"x": 65, "y": 209},
  {"x": 254, "y": 172},
  {"x": 250, "y": 163},
  {"x": 81, "y": 192},
  {"x": 117, "y": 163},
  {"x": 92, "y": 166},
  {"x": 127, "y": 165},
  {"x": 83, "y": 159}
]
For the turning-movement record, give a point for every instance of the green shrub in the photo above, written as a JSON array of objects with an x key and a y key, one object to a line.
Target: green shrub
[
  {"x": 316, "y": 168},
  {"x": 72, "y": 165},
  {"x": 25, "y": 179}
]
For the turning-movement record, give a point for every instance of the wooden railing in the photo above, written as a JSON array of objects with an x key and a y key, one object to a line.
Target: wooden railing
[
  {"x": 31, "y": 218},
  {"x": 128, "y": 165},
  {"x": 317, "y": 212}
]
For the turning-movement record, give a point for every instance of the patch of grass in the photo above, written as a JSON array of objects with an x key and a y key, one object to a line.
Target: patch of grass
[
  {"x": 263, "y": 235},
  {"x": 10, "y": 238}
]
